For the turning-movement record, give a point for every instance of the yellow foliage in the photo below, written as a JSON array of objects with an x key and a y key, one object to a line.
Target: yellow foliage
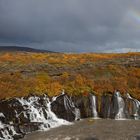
[{"x": 23, "y": 73}]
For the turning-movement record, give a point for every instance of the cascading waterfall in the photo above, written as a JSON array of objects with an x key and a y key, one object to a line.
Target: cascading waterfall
[
  {"x": 77, "y": 114},
  {"x": 20, "y": 116},
  {"x": 7, "y": 132},
  {"x": 52, "y": 119},
  {"x": 94, "y": 106},
  {"x": 69, "y": 105},
  {"x": 120, "y": 104},
  {"x": 34, "y": 112},
  {"x": 135, "y": 108}
]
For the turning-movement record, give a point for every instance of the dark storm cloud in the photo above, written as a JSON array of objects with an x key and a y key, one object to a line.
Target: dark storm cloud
[{"x": 71, "y": 25}]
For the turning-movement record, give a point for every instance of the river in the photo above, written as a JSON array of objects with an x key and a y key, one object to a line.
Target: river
[{"x": 90, "y": 129}]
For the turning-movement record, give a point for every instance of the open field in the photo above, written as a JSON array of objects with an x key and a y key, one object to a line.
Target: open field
[
  {"x": 92, "y": 130},
  {"x": 23, "y": 73}
]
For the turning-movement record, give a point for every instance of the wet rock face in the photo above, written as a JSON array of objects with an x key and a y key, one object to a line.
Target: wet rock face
[
  {"x": 29, "y": 127},
  {"x": 27, "y": 114},
  {"x": 133, "y": 107},
  {"x": 10, "y": 108},
  {"x": 19, "y": 116},
  {"x": 64, "y": 108},
  {"x": 9, "y": 132},
  {"x": 118, "y": 107},
  {"x": 106, "y": 101},
  {"x": 83, "y": 103},
  {"x": 87, "y": 105},
  {"x": 19, "y": 110}
]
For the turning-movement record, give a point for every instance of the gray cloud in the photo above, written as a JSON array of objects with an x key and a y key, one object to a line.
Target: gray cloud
[{"x": 71, "y": 25}]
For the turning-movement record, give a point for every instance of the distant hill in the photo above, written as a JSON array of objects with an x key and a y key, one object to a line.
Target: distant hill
[{"x": 21, "y": 49}]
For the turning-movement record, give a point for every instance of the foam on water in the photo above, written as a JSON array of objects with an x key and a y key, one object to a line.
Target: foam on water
[
  {"x": 36, "y": 112},
  {"x": 7, "y": 132}
]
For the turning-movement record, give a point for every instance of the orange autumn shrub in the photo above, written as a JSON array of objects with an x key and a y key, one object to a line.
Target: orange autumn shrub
[{"x": 22, "y": 74}]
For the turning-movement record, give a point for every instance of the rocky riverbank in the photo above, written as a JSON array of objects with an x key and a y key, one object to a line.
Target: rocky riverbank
[{"x": 20, "y": 116}]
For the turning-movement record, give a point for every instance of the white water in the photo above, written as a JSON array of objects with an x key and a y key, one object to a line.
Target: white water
[
  {"x": 94, "y": 106},
  {"x": 69, "y": 105},
  {"x": 136, "y": 106},
  {"x": 1, "y": 115},
  {"x": 121, "y": 107},
  {"x": 5, "y": 129},
  {"x": 77, "y": 114},
  {"x": 36, "y": 114},
  {"x": 52, "y": 119}
]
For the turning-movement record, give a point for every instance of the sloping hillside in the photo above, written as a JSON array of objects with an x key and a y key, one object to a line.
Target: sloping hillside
[
  {"x": 20, "y": 49},
  {"x": 24, "y": 73}
]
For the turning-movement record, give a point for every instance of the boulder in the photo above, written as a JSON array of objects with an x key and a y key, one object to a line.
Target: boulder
[{"x": 64, "y": 108}]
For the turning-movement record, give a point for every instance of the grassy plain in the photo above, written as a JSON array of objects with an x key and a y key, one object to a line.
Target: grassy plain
[{"x": 25, "y": 73}]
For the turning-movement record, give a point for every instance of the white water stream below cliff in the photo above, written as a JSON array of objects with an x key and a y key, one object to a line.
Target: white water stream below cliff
[
  {"x": 37, "y": 111},
  {"x": 34, "y": 113},
  {"x": 94, "y": 106},
  {"x": 121, "y": 107}
]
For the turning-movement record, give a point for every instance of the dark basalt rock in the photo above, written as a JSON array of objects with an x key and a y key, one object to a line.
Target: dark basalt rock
[
  {"x": 118, "y": 107},
  {"x": 11, "y": 132},
  {"x": 29, "y": 127},
  {"x": 8, "y": 109},
  {"x": 64, "y": 108},
  {"x": 106, "y": 101},
  {"x": 15, "y": 112},
  {"x": 133, "y": 107},
  {"x": 85, "y": 104},
  {"x": 22, "y": 112},
  {"x": 20, "y": 116}
]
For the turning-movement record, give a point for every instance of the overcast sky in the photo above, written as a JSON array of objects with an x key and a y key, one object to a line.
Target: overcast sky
[{"x": 71, "y": 25}]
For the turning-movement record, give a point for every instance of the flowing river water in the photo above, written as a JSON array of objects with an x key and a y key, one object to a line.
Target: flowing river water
[{"x": 90, "y": 129}]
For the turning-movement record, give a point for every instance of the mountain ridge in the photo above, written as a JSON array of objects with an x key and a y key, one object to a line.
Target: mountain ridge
[{"x": 22, "y": 49}]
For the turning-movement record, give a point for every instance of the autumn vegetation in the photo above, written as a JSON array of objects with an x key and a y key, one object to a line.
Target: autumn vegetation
[{"x": 22, "y": 73}]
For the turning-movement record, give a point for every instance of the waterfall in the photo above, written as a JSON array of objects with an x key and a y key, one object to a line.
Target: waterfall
[
  {"x": 69, "y": 105},
  {"x": 37, "y": 113},
  {"x": 27, "y": 114},
  {"x": 32, "y": 110},
  {"x": 52, "y": 119},
  {"x": 135, "y": 106},
  {"x": 94, "y": 106},
  {"x": 7, "y": 132},
  {"x": 77, "y": 114},
  {"x": 119, "y": 106}
]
